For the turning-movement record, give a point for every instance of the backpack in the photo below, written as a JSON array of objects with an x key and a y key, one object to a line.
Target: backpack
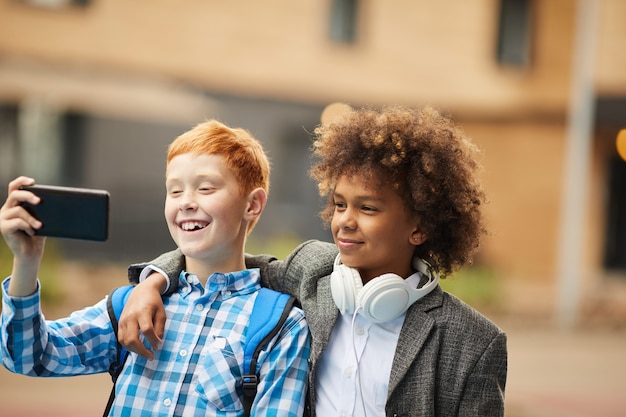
[{"x": 269, "y": 313}]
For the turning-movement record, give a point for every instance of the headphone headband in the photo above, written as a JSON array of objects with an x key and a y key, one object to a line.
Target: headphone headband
[{"x": 383, "y": 298}]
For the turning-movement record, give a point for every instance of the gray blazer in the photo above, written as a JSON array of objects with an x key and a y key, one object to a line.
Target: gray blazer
[{"x": 450, "y": 360}]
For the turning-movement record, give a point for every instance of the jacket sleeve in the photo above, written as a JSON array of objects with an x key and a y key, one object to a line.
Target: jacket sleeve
[
  {"x": 173, "y": 263},
  {"x": 484, "y": 391},
  {"x": 312, "y": 259},
  {"x": 170, "y": 262}
]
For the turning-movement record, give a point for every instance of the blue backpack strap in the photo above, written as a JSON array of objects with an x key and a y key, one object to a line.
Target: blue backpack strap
[
  {"x": 269, "y": 313},
  {"x": 115, "y": 304}
]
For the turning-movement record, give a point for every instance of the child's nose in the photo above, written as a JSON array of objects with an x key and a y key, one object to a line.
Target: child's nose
[
  {"x": 346, "y": 219},
  {"x": 187, "y": 202}
]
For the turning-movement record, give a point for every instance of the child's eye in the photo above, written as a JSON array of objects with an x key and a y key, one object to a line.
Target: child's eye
[
  {"x": 368, "y": 208},
  {"x": 339, "y": 205}
]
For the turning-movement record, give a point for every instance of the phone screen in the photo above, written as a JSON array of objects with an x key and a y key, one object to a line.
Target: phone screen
[{"x": 74, "y": 213}]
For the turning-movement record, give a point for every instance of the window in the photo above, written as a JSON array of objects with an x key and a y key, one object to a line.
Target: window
[
  {"x": 343, "y": 20},
  {"x": 610, "y": 119},
  {"x": 615, "y": 247},
  {"x": 514, "y": 33},
  {"x": 56, "y": 4}
]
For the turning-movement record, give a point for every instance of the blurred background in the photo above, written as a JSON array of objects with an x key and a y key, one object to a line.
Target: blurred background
[{"x": 92, "y": 92}]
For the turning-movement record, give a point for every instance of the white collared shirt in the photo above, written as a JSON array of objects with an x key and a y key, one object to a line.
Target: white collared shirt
[{"x": 353, "y": 372}]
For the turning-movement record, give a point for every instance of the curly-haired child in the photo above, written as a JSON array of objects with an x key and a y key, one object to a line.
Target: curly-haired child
[{"x": 404, "y": 207}]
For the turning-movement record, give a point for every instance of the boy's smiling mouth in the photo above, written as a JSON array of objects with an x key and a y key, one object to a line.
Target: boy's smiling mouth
[
  {"x": 193, "y": 225},
  {"x": 347, "y": 243}
]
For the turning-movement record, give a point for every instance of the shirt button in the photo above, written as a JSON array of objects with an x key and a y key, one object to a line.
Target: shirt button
[
  {"x": 348, "y": 373},
  {"x": 167, "y": 402},
  {"x": 359, "y": 330},
  {"x": 183, "y": 353},
  {"x": 227, "y": 293},
  {"x": 199, "y": 307}
]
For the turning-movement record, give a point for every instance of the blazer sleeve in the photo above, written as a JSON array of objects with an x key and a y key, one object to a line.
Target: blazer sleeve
[
  {"x": 170, "y": 262},
  {"x": 484, "y": 391},
  {"x": 312, "y": 259}
]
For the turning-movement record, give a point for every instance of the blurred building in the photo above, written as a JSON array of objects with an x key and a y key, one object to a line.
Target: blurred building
[{"x": 91, "y": 93}]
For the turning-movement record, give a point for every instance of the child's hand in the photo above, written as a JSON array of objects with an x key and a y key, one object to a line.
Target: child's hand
[
  {"x": 143, "y": 313},
  {"x": 18, "y": 226},
  {"x": 18, "y": 229}
]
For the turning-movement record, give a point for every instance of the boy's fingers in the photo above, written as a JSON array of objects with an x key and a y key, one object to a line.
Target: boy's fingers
[
  {"x": 128, "y": 336},
  {"x": 20, "y": 181},
  {"x": 17, "y": 196},
  {"x": 13, "y": 215},
  {"x": 148, "y": 329},
  {"x": 159, "y": 323},
  {"x": 140, "y": 349}
]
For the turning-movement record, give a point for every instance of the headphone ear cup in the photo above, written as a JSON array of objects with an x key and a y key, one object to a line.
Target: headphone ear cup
[
  {"x": 345, "y": 284},
  {"x": 384, "y": 298}
]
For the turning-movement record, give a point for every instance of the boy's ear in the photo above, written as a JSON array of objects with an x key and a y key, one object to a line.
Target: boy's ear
[
  {"x": 417, "y": 238},
  {"x": 256, "y": 203}
]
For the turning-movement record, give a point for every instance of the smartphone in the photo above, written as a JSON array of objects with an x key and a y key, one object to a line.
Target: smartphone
[{"x": 73, "y": 213}]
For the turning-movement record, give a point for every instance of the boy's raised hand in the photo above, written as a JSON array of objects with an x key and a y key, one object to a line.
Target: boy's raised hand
[
  {"x": 16, "y": 224},
  {"x": 18, "y": 229},
  {"x": 143, "y": 313}
]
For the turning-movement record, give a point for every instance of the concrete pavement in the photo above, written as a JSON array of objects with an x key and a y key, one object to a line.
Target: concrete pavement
[
  {"x": 555, "y": 373},
  {"x": 551, "y": 374}
]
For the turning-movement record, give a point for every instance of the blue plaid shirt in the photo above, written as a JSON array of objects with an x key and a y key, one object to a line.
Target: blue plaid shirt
[{"x": 197, "y": 371}]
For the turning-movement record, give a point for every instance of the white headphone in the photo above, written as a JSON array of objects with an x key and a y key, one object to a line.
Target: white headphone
[{"x": 382, "y": 299}]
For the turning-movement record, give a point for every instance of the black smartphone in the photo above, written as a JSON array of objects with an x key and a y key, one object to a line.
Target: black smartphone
[{"x": 74, "y": 213}]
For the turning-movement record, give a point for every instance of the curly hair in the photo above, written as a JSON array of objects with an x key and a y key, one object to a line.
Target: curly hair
[{"x": 426, "y": 158}]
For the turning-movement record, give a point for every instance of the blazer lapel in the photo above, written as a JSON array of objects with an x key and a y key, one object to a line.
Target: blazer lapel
[
  {"x": 417, "y": 326},
  {"x": 322, "y": 322}
]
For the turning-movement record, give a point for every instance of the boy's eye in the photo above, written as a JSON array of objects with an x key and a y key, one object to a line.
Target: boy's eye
[{"x": 339, "y": 205}]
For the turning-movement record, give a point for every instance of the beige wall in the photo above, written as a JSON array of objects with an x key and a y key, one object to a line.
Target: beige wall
[
  {"x": 408, "y": 51},
  {"x": 611, "y": 50},
  {"x": 523, "y": 165}
]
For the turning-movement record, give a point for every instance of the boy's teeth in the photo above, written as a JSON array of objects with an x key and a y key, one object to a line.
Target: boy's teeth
[{"x": 192, "y": 226}]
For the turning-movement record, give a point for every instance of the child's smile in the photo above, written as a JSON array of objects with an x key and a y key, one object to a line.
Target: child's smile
[
  {"x": 373, "y": 230},
  {"x": 204, "y": 207},
  {"x": 193, "y": 225}
]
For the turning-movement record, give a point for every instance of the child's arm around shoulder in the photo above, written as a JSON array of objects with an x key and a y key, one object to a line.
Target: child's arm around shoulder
[
  {"x": 311, "y": 260},
  {"x": 144, "y": 313},
  {"x": 18, "y": 229}
]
